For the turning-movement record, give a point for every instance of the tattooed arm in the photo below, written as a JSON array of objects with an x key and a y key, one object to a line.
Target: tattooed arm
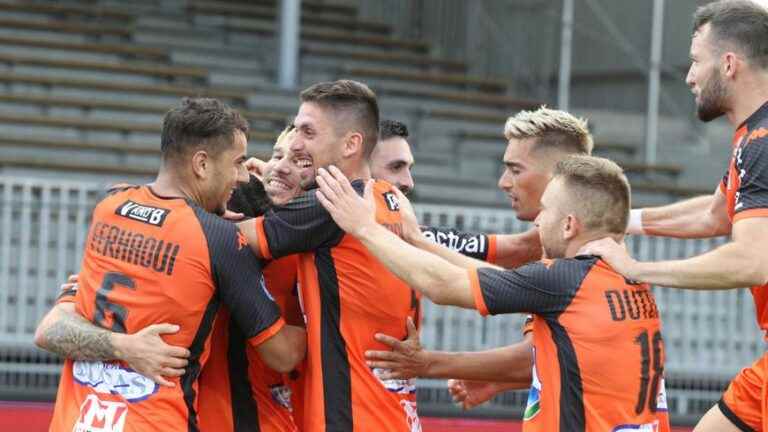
[
  {"x": 69, "y": 335},
  {"x": 63, "y": 331}
]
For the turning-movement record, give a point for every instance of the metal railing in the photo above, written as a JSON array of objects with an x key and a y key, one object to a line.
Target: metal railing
[{"x": 709, "y": 336}]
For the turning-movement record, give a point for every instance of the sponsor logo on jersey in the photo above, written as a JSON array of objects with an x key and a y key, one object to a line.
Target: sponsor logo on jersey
[
  {"x": 399, "y": 386},
  {"x": 533, "y": 406},
  {"x": 411, "y": 415},
  {"x": 101, "y": 416},
  {"x": 112, "y": 378},
  {"x": 473, "y": 244},
  {"x": 392, "y": 202},
  {"x": 281, "y": 394},
  {"x": 142, "y": 213},
  {"x": 646, "y": 427}
]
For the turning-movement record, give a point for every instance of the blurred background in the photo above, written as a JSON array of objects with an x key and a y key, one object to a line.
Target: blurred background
[{"x": 84, "y": 85}]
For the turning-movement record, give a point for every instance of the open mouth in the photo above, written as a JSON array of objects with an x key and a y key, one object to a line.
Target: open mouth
[
  {"x": 303, "y": 163},
  {"x": 279, "y": 184}
]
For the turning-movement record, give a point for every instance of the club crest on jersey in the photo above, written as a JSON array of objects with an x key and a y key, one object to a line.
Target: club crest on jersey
[
  {"x": 97, "y": 415},
  {"x": 142, "y": 213},
  {"x": 112, "y": 378},
  {"x": 392, "y": 202}
]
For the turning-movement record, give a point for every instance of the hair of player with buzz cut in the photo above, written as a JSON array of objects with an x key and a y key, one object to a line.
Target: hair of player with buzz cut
[
  {"x": 737, "y": 24},
  {"x": 598, "y": 191},
  {"x": 351, "y": 98},
  {"x": 553, "y": 129},
  {"x": 392, "y": 128},
  {"x": 200, "y": 123}
]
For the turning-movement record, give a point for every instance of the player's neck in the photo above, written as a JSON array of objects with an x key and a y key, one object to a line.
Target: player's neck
[
  {"x": 748, "y": 99},
  {"x": 169, "y": 184},
  {"x": 574, "y": 247},
  {"x": 357, "y": 171}
]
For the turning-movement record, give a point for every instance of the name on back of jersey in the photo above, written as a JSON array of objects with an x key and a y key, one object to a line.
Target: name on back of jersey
[
  {"x": 142, "y": 213},
  {"x": 637, "y": 304},
  {"x": 113, "y": 378},
  {"x": 132, "y": 247}
]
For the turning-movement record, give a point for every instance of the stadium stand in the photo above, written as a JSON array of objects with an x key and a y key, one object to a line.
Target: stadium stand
[{"x": 85, "y": 84}]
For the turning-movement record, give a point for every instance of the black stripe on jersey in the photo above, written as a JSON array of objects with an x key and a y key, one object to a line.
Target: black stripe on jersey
[
  {"x": 337, "y": 386},
  {"x": 193, "y": 367},
  {"x": 572, "y": 417},
  {"x": 730, "y": 415},
  {"x": 245, "y": 411}
]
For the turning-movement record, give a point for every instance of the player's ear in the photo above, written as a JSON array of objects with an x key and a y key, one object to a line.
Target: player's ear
[
  {"x": 731, "y": 63},
  {"x": 201, "y": 164},
  {"x": 353, "y": 143},
  {"x": 571, "y": 226}
]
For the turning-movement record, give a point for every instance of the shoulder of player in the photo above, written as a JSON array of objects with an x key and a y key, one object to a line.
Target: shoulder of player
[
  {"x": 218, "y": 232},
  {"x": 579, "y": 261},
  {"x": 571, "y": 269}
]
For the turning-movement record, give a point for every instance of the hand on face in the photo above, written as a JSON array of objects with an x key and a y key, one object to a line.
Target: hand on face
[
  {"x": 354, "y": 214},
  {"x": 256, "y": 167}
]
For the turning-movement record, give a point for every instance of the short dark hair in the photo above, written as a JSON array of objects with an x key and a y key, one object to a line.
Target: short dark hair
[
  {"x": 200, "y": 123},
  {"x": 741, "y": 23},
  {"x": 351, "y": 98},
  {"x": 392, "y": 128}
]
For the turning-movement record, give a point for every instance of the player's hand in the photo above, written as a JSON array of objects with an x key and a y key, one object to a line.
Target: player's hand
[
  {"x": 147, "y": 353},
  {"x": 613, "y": 253},
  {"x": 256, "y": 167},
  {"x": 232, "y": 216},
  {"x": 408, "y": 359},
  {"x": 471, "y": 393},
  {"x": 411, "y": 229},
  {"x": 70, "y": 284},
  {"x": 351, "y": 212}
]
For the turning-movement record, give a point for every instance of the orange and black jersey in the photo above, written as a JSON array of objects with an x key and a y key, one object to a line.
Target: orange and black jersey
[
  {"x": 238, "y": 391},
  {"x": 347, "y": 297},
  {"x": 745, "y": 186},
  {"x": 599, "y": 355},
  {"x": 150, "y": 260}
]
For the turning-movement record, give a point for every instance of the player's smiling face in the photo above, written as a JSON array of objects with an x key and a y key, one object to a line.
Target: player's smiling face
[
  {"x": 316, "y": 138},
  {"x": 227, "y": 171},
  {"x": 285, "y": 171},
  {"x": 524, "y": 178}
]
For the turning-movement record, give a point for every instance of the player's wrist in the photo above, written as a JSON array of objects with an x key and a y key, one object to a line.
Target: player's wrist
[
  {"x": 635, "y": 224},
  {"x": 120, "y": 345}
]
